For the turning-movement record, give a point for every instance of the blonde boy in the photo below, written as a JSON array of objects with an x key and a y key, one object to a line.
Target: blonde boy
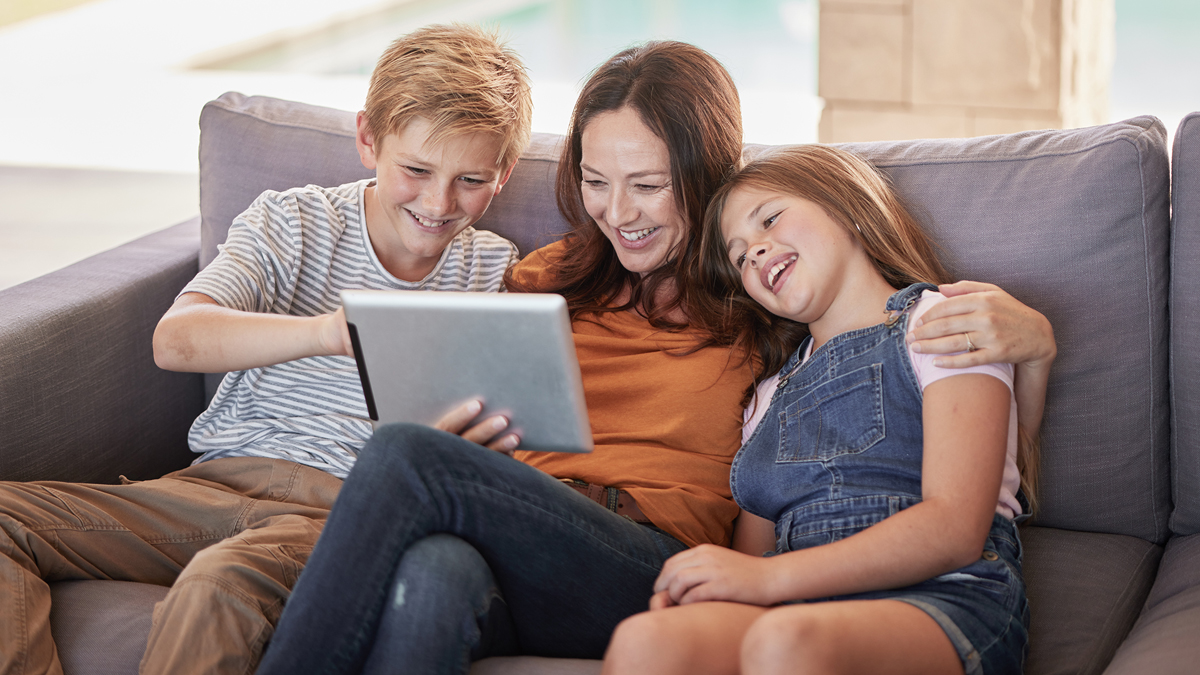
[{"x": 447, "y": 115}]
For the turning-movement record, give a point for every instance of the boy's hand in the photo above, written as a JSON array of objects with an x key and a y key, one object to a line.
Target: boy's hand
[
  {"x": 335, "y": 334},
  {"x": 488, "y": 433}
]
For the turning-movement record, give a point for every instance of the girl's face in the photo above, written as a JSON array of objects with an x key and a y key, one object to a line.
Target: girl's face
[
  {"x": 793, "y": 258},
  {"x": 627, "y": 190}
]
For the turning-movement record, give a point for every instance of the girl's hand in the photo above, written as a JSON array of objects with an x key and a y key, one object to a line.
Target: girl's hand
[
  {"x": 709, "y": 572},
  {"x": 488, "y": 433},
  {"x": 1001, "y": 329}
]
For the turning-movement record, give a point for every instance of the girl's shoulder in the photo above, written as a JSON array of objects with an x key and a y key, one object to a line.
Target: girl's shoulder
[{"x": 923, "y": 364}]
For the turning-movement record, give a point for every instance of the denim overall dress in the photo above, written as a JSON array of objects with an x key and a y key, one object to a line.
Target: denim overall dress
[{"x": 840, "y": 449}]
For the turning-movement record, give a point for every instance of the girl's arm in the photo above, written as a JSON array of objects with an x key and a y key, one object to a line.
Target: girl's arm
[
  {"x": 966, "y": 429},
  {"x": 199, "y": 336},
  {"x": 1002, "y": 329},
  {"x": 753, "y": 535}
]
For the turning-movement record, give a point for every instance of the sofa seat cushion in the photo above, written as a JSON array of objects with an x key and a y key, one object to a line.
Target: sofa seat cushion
[
  {"x": 1085, "y": 592},
  {"x": 101, "y": 627},
  {"x": 1166, "y": 638},
  {"x": 535, "y": 665}
]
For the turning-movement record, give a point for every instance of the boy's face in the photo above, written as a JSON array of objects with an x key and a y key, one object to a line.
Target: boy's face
[{"x": 425, "y": 193}]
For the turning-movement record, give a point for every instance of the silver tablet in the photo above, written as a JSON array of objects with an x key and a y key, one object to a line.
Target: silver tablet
[{"x": 421, "y": 353}]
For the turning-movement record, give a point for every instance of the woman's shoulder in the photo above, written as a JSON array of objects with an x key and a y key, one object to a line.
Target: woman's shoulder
[{"x": 536, "y": 270}]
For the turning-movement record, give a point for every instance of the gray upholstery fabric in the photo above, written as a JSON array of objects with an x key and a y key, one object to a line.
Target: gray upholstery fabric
[
  {"x": 1085, "y": 591},
  {"x": 1075, "y": 224},
  {"x": 256, "y": 143},
  {"x": 113, "y": 646},
  {"x": 1185, "y": 326},
  {"x": 80, "y": 397},
  {"x": 1166, "y": 638}
]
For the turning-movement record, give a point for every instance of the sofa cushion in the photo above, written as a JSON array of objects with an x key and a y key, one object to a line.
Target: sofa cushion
[
  {"x": 1164, "y": 639},
  {"x": 1075, "y": 224},
  {"x": 1185, "y": 326},
  {"x": 249, "y": 144},
  {"x": 100, "y": 627},
  {"x": 1085, "y": 591}
]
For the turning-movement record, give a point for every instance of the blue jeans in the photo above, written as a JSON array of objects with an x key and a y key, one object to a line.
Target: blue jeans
[{"x": 569, "y": 570}]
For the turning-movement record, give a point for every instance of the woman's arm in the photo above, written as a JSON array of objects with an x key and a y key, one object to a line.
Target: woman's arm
[
  {"x": 966, "y": 431},
  {"x": 199, "y": 336},
  {"x": 1002, "y": 329}
]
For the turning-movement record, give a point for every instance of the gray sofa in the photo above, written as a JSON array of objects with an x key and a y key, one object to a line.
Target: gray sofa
[{"x": 1076, "y": 223}]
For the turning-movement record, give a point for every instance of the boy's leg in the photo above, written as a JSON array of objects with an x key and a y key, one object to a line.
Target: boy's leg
[
  {"x": 879, "y": 637},
  {"x": 56, "y": 531},
  {"x": 704, "y": 638},
  {"x": 224, "y": 605}
]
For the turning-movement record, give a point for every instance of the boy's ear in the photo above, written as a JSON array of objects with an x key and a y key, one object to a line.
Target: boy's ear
[
  {"x": 364, "y": 140},
  {"x": 507, "y": 175}
]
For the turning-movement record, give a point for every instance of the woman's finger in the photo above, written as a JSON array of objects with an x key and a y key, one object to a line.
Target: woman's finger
[{"x": 458, "y": 418}]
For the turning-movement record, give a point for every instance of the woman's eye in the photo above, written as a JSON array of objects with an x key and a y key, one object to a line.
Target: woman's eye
[
  {"x": 647, "y": 188},
  {"x": 593, "y": 183}
]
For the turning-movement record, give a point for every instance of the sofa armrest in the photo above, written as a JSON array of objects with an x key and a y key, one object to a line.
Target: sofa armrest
[{"x": 80, "y": 396}]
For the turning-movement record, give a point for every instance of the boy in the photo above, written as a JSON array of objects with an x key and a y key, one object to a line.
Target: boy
[{"x": 447, "y": 114}]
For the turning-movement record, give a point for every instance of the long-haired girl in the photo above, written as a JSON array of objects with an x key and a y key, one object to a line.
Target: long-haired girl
[{"x": 891, "y": 483}]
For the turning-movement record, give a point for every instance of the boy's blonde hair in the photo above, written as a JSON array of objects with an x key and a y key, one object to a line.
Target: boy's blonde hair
[{"x": 459, "y": 77}]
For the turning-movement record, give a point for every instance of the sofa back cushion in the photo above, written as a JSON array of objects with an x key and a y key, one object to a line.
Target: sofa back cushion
[
  {"x": 1185, "y": 326},
  {"x": 249, "y": 144},
  {"x": 1072, "y": 222}
]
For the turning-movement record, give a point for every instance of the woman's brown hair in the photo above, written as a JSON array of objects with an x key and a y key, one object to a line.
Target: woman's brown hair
[
  {"x": 861, "y": 200},
  {"x": 686, "y": 98}
]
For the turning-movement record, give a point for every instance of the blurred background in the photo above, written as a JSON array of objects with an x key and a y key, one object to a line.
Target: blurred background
[{"x": 99, "y": 99}]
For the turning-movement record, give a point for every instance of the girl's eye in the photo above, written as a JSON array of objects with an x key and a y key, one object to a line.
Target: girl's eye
[
  {"x": 770, "y": 221},
  {"x": 741, "y": 259}
]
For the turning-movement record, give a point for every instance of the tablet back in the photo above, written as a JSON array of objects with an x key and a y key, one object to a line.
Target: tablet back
[{"x": 421, "y": 353}]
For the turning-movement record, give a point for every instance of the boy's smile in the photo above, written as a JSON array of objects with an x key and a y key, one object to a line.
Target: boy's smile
[{"x": 425, "y": 192}]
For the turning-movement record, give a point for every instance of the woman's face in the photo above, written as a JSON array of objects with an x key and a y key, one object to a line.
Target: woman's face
[{"x": 627, "y": 190}]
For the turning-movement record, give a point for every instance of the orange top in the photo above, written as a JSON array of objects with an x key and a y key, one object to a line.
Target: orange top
[{"x": 665, "y": 426}]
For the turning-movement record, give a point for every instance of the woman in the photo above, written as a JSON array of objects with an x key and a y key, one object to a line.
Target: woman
[{"x": 534, "y": 566}]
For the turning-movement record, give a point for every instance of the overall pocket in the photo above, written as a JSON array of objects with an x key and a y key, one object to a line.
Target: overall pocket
[{"x": 839, "y": 417}]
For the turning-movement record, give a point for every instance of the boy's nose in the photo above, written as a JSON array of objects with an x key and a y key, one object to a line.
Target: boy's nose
[{"x": 438, "y": 201}]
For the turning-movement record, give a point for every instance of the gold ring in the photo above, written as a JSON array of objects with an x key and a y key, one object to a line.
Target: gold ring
[{"x": 970, "y": 347}]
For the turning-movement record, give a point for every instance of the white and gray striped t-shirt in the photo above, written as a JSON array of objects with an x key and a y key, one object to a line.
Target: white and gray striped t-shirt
[{"x": 293, "y": 253}]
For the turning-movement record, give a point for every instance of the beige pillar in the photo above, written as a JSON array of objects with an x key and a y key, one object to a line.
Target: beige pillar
[{"x": 898, "y": 69}]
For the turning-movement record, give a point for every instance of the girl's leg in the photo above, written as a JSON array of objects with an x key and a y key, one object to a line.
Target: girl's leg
[
  {"x": 877, "y": 637},
  {"x": 444, "y": 598},
  {"x": 570, "y": 570},
  {"x": 701, "y": 639}
]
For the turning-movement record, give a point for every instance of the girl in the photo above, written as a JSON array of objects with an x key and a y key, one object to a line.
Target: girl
[{"x": 891, "y": 482}]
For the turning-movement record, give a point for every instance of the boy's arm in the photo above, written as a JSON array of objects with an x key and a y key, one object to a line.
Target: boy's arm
[{"x": 198, "y": 335}]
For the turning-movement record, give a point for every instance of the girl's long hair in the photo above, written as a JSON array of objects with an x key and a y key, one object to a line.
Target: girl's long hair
[
  {"x": 862, "y": 201},
  {"x": 686, "y": 98}
]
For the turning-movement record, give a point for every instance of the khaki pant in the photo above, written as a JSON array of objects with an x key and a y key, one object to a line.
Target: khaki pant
[{"x": 229, "y": 536}]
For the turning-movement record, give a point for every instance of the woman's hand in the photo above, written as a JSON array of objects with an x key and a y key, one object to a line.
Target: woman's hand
[
  {"x": 709, "y": 572},
  {"x": 488, "y": 433},
  {"x": 1001, "y": 329}
]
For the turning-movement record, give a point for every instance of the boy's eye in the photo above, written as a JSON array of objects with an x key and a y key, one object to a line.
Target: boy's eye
[
  {"x": 415, "y": 170},
  {"x": 472, "y": 181}
]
